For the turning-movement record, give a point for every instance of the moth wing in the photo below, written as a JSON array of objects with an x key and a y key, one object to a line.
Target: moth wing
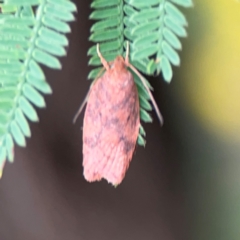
[
  {"x": 106, "y": 154},
  {"x": 110, "y": 158},
  {"x": 109, "y": 133}
]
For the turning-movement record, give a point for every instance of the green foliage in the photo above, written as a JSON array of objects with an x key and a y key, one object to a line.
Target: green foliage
[
  {"x": 32, "y": 32},
  {"x": 152, "y": 27}
]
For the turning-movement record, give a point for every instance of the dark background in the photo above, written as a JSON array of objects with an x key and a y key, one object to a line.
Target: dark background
[{"x": 175, "y": 189}]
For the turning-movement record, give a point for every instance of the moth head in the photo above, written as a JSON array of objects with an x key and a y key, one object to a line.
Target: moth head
[{"x": 119, "y": 63}]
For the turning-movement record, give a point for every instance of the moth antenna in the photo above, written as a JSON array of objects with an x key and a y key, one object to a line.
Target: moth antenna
[
  {"x": 144, "y": 84},
  {"x": 128, "y": 63},
  {"x": 127, "y": 54},
  {"x": 149, "y": 92},
  {"x": 103, "y": 61}
]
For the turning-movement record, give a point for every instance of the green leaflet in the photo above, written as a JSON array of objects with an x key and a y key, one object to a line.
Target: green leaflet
[
  {"x": 141, "y": 141},
  {"x": 46, "y": 59},
  {"x": 105, "y": 3},
  {"x": 17, "y": 134},
  {"x": 175, "y": 26},
  {"x": 29, "y": 38},
  {"x": 130, "y": 11},
  {"x": 139, "y": 82},
  {"x": 145, "y": 116},
  {"x": 52, "y": 36},
  {"x": 40, "y": 85},
  {"x": 12, "y": 66},
  {"x": 32, "y": 95},
  {"x": 53, "y": 49},
  {"x": 145, "y": 104},
  {"x": 12, "y": 31},
  {"x": 9, "y": 147},
  {"x": 4, "y": 118},
  {"x": 142, "y": 131},
  {"x": 170, "y": 53},
  {"x": 145, "y": 15},
  {"x": 171, "y": 38},
  {"x": 27, "y": 11},
  {"x": 105, "y": 13},
  {"x": 67, "y": 5},
  {"x": 22, "y": 122},
  {"x": 152, "y": 67},
  {"x": 175, "y": 14},
  {"x": 3, "y": 156},
  {"x": 8, "y": 8},
  {"x": 8, "y": 92},
  {"x": 56, "y": 24},
  {"x": 2, "y": 132},
  {"x": 145, "y": 40},
  {"x": 144, "y": 52},
  {"x": 95, "y": 73},
  {"x": 145, "y": 27},
  {"x": 142, "y": 3},
  {"x": 184, "y": 3},
  {"x": 166, "y": 69},
  {"x": 28, "y": 109},
  {"x": 22, "y": 2},
  {"x": 6, "y": 105},
  {"x": 59, "y": 13},
  {"x": 18, "y": 21},
  {"x": 106, "y": 23},
  {"x": 142, "y": 92},
  {"x": 8, "y": 42},
  {"x": 13, "y": 54},
  {"x": 108, "y": 35},
  {"x": 35, "y": 70}
]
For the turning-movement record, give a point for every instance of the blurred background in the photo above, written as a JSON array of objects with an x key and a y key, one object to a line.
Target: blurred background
[{"x": 184, "y": 185}]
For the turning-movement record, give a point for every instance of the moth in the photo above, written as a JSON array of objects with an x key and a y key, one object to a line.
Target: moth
[{"x": 111, "y": 121}]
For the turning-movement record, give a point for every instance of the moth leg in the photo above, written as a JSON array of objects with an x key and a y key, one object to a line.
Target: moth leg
[
  {"x": 85, "y": 100},
  {"x": 81, "y": 107},
  {"x": 103, "y": 61}
]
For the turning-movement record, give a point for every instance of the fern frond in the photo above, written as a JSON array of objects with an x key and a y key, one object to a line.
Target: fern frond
[
  {"x": 28, "y": 37},
  {"x": 107, "y": 31},
  {"x": 154, "y": 29}
]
